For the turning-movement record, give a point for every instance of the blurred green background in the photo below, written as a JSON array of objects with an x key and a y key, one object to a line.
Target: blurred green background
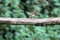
[{"x": 22, "y": 9}]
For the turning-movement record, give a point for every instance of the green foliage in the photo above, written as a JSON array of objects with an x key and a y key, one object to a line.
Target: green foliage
[{"x": 15, "y": 9}]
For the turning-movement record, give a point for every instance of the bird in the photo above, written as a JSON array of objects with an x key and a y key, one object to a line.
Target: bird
[{"x": 31, "y": 16}]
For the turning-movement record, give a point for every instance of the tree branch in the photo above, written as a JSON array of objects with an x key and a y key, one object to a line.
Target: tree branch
[{"x": 27, "y": 21}]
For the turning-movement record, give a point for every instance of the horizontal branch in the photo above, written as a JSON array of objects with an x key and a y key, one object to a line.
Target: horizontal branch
[{"x": 27, "y": 21}]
